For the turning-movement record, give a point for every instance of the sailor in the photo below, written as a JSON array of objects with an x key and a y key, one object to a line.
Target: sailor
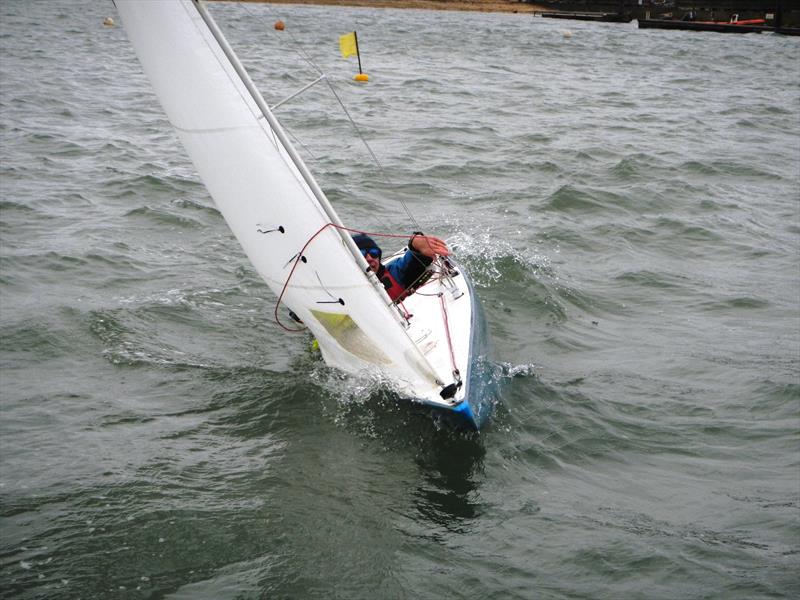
[{"x": 401, "y": 276}]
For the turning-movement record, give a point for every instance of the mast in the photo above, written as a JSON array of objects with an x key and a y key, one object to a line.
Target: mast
[
  {"x": 227, "y": 127},
  {"x": 422, "y": 360},
  {"x": 280, "y": 133}
]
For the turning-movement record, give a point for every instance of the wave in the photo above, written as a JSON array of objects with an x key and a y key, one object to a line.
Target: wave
[
  {"x": 106, "y": 268},
  {"x": 681, "y": 230},
  {"x": 735, "y": 304},
  {"x": 651, "y": 279},
  {"x": 163, "y": 216},
  {"x": 719, "y": 168},
  {"x": 41, "y": 339},
  {"x": 570, "y": 199},
  {"x": 10, "y": 205}
]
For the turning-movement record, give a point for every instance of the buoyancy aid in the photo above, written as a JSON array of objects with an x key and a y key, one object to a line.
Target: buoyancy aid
[{"x": 393, "y": 287}]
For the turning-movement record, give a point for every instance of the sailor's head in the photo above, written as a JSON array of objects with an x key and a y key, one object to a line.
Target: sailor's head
[{"x": 369, "y": 250}]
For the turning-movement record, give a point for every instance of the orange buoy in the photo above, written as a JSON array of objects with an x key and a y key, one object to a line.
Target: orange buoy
[
  {"x": 361, "y": 77},
  {"x": 279, "y": 25}
]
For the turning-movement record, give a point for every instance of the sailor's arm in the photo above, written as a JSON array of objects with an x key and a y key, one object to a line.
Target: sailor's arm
[{"x": 428, "y": 245}]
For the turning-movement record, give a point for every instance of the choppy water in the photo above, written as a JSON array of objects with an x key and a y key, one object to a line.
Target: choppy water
[{"x": 628, "y": 203}]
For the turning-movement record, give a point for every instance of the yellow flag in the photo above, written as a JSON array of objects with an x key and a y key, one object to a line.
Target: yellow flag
[{"x": 347, "y": 44}]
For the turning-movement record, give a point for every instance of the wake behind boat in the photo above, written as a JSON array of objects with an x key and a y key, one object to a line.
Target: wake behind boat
[{"x": 432, "y": 346}]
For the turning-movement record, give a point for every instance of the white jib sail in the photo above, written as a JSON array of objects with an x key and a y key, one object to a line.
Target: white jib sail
[{"x": 258, "y": 186}]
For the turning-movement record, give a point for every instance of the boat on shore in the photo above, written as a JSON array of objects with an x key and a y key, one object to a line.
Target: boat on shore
[
  {"x": 716, "y": 26},
  {"x": 737, "y": 21},
  {"x": 600, "y": 17}
]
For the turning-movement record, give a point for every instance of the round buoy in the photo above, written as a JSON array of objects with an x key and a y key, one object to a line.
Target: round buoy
[
  {"x": 279, "y": 25},
  {"x": 108, "y": 22},
  {"x": 361, "y": 77},
  {"x": 567, "y": 33}
]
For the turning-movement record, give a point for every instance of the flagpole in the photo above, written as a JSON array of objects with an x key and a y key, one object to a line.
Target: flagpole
[{"x": 358, "y": 54}]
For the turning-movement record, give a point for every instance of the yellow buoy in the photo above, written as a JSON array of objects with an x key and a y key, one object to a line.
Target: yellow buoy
[
  {"x": 315, "y": 346},
  {"x": 279, "y": 25},
  {"x": 361, "y": 77}
]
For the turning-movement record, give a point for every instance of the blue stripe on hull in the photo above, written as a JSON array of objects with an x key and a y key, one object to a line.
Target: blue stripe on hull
[{"x": 483, "y": 383}]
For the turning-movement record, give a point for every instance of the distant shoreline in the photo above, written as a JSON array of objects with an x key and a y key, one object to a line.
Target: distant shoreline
[{"x": 509, "y": 6}]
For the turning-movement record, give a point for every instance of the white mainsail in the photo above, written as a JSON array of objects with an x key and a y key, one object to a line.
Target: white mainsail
[{"x": 259, "y": 184}]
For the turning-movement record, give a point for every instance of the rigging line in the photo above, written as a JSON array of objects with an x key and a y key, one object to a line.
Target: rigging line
[
  {"x": 289, "y": 278},
  {"x": 300, "y": 143},
  {"x": 322, "y": 285},
  {"x": 275, "y": 142},
  {"x": 298, "y": 49},
  {"x": 369, "y": 149},
  {"x": 295, "y": 47},
  {"x": 274, "y": 107},
  {"x": 447, "y": 331},
  {"x": 298, "y": 257}
]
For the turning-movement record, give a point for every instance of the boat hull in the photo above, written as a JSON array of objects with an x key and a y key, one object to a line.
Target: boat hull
[
  {"x": 701, "y": 26},
  {"x": 481, "y": 382}
]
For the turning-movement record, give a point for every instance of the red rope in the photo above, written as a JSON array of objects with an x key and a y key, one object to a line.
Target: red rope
[
  {"x": 447, "y": 332},
  {"x": 388, "y": 235},
  {"x": 300, "y": 256}
]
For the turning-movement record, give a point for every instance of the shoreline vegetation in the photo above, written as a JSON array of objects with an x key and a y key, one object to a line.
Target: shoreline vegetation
[{"x": 510, "y": 6}]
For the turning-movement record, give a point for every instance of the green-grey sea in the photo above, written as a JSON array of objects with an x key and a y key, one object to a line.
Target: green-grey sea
[{"x": 628, "y": 204}]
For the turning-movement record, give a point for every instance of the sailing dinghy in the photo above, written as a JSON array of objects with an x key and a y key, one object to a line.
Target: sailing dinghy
[{"x": 433, "y": 348}]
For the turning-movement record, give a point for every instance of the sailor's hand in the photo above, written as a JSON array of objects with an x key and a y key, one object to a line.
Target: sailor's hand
[{"x": 429, "y": 246}]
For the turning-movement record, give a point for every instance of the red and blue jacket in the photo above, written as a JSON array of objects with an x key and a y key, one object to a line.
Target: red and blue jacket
[{"x": 401, "y": 274}]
